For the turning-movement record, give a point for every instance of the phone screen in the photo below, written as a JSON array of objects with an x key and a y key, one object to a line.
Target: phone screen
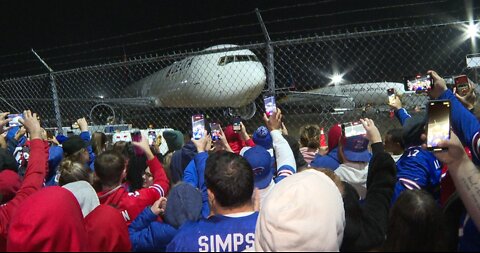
[
  {"x": 353, "y": 129},
  {"x": 391, "y": 95},
  {"x": 198, "y": 126},
  {"x": 237, "y": 124},
  {"x": 419, "y": 84},
  {"x": 461, "y": 85},
  {"x": 270, "y": 105},
  {"x": 15, "y": 120},
  {"x": 152, "y": 136},
  {"x": 215, "y": 131},
  {"x": 438, "y": 128},
  {"x": 137, "y": 137}
]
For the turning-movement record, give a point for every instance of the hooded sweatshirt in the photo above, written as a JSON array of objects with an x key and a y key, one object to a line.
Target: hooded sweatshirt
[
  {"x": 85, "y": 195},
  {"x": 107, "y": 231},
  {"x": 34, "y": 228},
  {"x": 356, "y": 175}
]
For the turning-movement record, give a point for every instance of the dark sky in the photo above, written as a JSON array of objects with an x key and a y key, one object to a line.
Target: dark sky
[{"x": 51, "y": 27}]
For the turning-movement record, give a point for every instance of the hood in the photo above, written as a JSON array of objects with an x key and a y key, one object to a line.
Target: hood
[
  {"x": 85, "y": 194},
  {"x": 107, "y": 230},
  {"x": 49, "y": 220},
  {"x": 355, "y": 174}
]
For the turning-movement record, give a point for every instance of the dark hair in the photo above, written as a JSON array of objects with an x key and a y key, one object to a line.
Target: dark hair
[
  {"x": 310, "y": 136},
  {"x": 99, "y": 142},
  {"x": 72, "y": 171},
  {"x": 396, "y": 136},
  {"x": 230, "y": 178},
  {"x": 416, "y": 223},
  {"x": 109, "y": 167},
  {"x": 136, "y": 164},
  {"x": 295, "y": 146}
]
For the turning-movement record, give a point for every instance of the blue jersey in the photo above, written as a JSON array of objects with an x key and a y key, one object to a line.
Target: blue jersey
[
  {"x": 329, "y": 161},
  {"x": 217, "y": 233},
  {"x": 465, "y": 125},
  {"x": 417, "y": 169}
]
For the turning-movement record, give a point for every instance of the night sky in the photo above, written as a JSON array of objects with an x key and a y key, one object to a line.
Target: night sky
[{"x": 69, "y": 34}]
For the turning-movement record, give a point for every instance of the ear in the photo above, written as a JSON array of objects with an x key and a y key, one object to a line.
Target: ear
[{"x": 211, "y": 196}]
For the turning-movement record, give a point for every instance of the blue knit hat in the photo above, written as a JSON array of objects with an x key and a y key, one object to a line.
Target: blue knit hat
[
  {"x": 263, "y": 138},
  {"x": 184, "y": 204}
]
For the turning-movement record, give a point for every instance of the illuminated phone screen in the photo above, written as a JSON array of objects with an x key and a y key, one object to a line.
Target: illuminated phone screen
[{"x": 438, "y": 128}]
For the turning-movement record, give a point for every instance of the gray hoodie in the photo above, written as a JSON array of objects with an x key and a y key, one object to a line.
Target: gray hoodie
[{"x": 356, "y": 175}]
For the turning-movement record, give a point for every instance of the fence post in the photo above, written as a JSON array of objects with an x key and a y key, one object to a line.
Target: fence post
[
  {"x": 53, "y": 84},
  {"x": 270, "y": 54}
]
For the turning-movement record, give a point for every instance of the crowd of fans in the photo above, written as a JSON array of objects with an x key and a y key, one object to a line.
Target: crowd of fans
[{"x": 267, "y": 191}]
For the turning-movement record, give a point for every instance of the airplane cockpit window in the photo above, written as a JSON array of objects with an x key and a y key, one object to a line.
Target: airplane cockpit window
[{"x": 224, "y": 60}]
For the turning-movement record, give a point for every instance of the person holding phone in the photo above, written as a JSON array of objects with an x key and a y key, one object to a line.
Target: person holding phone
[
  {"x": 467, "y": 128},
  {"x": 35, "y": 173}
]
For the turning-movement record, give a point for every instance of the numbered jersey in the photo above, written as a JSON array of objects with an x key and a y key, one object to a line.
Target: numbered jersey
[{"x": 418, "y": 169}]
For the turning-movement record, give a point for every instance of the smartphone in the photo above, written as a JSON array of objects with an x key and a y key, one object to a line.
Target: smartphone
[
  {"x": 215, "y": 131},
  {"x": 438, "y": 125},
  {"x": 351, "y": 129},
  {"x": 137, "y": 137},
  {"x": 391, "y": 95},
  {"x": 461, "y": 85},
  {"x": 419, "y": 83},
  {"x": 15, "y": 120},
  {"x": 237, "y": 124},
  {"x": 198, "y": 126},
  {"x": 152, "y": 136},
  {"x": 270, "y": 106}
]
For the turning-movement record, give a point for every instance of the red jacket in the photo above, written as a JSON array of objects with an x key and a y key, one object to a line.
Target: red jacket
[
  {"x": 131, "y": 204},
  {"x": 107, "y": 231},
  {"x": 33, "y": 181}
]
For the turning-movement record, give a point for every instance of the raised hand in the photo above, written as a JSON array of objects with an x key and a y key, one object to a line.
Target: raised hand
[
  {"x": 31, "y": 123},
  {"x": 373, "y": 135},
  {"x": 274, "y": 122},
  {"x": 82, "y": 124}
]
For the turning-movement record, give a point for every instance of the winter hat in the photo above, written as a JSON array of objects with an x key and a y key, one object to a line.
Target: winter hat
[
  {"x": 334, "y": 135},
  {"x": 413, "y": 128},
  {"x": 174, "y": 139},
  {"x": 184, "y": 204},
  {"x": 73, "y": 145},
  {"x": 260, "y": 160},
  {"x": 262, "y": 137},
  {"x": 292, "y": 214}
]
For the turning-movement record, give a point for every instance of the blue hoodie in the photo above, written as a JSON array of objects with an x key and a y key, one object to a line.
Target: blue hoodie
[{"x": 180, "y": 159}]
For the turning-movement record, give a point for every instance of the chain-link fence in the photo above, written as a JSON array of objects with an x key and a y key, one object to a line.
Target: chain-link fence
[{"x": 165, "y": 91}]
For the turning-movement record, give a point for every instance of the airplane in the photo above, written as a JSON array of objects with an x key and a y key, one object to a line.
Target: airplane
[
  {"x": 347, "y": 97},
  {"x": 228, "y": 79}
]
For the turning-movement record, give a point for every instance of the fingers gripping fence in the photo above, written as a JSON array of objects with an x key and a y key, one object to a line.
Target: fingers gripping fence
[{"x": 227, "y": 80}]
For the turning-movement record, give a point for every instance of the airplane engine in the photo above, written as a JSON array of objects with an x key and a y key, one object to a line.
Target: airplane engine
[
  {"x": 245, "y": 112},
  {"x": 102, "y": 114}
]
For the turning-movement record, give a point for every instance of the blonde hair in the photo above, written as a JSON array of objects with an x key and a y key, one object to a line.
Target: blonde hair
[
  {"x": 71, "y": 171},
  {"x": 310, "y": 136}
]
